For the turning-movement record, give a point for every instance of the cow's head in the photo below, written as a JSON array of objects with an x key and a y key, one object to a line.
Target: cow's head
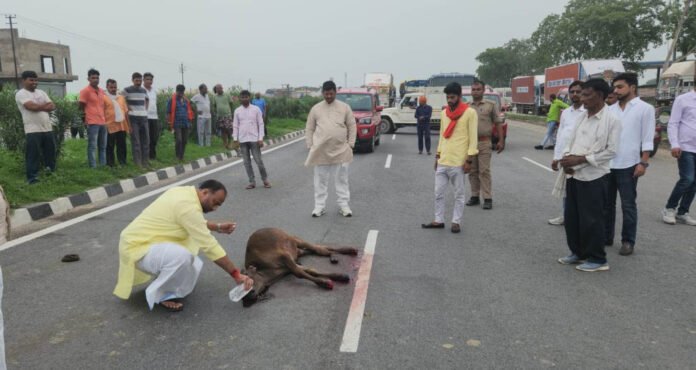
[{"x": 259, "y": 288}]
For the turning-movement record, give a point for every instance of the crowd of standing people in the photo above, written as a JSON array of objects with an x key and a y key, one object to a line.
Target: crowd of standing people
[{"x": 111, "y": 116}]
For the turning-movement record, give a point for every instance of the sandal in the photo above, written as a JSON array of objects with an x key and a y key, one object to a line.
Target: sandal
[
  {"x": 251, "y": 186},
  {"x": 172, "y": 308},
  {"x": 70, "y": 258},
  {"x": 266, "y": 184}
]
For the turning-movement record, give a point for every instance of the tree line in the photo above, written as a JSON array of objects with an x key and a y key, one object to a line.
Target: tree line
[{"x": 593, "y": 29}]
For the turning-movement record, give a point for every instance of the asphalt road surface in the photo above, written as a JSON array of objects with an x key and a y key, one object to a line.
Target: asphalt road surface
[{"x": 491, "y": 297}]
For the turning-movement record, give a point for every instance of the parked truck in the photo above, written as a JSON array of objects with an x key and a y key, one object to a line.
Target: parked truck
[
  {"x": 383, "y": 84},
  {"x": 528, "y": 94},
  {"x": 674, "y": 81},
  {"x": 559, "y": 77}
]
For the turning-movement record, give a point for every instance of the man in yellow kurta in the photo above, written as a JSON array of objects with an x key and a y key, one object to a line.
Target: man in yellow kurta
[
  {"x": 330, "y": 136},
  {"x": 164, "y": 241},
  {"x": 458, "y": 141}
]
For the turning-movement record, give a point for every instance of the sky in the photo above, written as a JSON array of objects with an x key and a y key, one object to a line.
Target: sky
[{"x": 268, "y": 43}]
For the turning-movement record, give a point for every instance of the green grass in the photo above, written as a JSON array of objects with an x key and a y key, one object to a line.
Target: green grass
[
  {"x": 73, "y": 176},
  {"x": 525, "y": 117}
]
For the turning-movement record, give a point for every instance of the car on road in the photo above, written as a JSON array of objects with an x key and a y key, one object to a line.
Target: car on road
[
  {"x": 403, "y": 115},
  {"x": 367, "y": 111}
]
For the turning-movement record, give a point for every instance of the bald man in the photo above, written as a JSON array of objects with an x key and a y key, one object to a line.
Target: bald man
[{"x": 423, "y": 114}]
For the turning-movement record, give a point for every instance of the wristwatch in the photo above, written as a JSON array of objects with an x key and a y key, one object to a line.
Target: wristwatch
[{"x": 645, "y": 164}]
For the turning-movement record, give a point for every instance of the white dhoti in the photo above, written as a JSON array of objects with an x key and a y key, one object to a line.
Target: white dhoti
[{"x": 177, "y": 271}]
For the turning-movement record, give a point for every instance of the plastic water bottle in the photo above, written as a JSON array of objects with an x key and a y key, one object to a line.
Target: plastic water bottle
[{"x": 238, "y": 292}]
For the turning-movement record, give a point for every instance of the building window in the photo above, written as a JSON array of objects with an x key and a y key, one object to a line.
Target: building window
[
  {"x": 66, "y": 65},
  {"x": 47, "y": 65}
]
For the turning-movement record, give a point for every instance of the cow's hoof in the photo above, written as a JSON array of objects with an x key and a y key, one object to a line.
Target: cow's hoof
[
  {"x": 342, "y": 278},
  {"x": 328, "y": 284},
  {"x": 333, "y": 259}
]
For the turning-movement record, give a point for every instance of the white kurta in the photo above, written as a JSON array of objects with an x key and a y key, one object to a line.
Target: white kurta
[{"x": 330, "y": 134}]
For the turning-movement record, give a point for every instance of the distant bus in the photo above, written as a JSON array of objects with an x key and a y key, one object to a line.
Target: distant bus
[{"x": 443, "y": 79}]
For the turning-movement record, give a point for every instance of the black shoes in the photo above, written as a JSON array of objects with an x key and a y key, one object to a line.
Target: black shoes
[
  {"x": 626, "y": 249},
  {"x": 456, "y": 228},
  {"x": 488, "y": 204},
  {"x": 433, "y": 225},
  {"x": 538, "y": 147},
  {"x": 550, "y": 147},
  {"x": 473, "y": 201}
]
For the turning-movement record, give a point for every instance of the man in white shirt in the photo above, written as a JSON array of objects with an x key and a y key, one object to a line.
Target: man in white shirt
[
  {"x": 35, "y": 105},
  {"x": 248, "y": 131},
  {"x": 570, "y": 117},
  {"x": 203, "y": 123},
  {"x": 638, "y": 129},
  {"x": 153, "y": 124},
  {"x": 585, "y": 164}
]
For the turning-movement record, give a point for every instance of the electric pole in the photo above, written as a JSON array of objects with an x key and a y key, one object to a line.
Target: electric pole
[
  {"x": 181, "y": 70},
  {"x": 250, "y": 85},
  {"x": 345, "y": 80},
  {"x": 10, "y": 19}
]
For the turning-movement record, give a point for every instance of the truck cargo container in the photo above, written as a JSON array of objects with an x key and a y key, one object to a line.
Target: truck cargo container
[{"x": 527, "y": 94}]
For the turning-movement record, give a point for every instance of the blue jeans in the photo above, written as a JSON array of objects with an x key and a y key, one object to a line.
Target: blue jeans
[
  {"x": 685, "y": 188},
  {"x": 96, "y": 139},
  {"x": 622, "y": 180},
  {"x": 424, "y": 135},
  {"x": 550, "y": 136}
]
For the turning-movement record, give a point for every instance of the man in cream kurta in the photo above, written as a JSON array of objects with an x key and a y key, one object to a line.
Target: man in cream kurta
[
  {"x": 164, "y": 241},
  {"x": 330, "y": 136}
]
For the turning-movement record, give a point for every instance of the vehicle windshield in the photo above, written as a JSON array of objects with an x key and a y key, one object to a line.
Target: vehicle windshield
[
  {"x": 416, "y": 83},
  {"x": 357, "y": 102},
  {"x": 444, "y": 80}
]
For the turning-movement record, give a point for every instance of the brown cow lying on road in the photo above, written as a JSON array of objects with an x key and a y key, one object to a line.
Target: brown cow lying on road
[{"x": 272, "y": 254}]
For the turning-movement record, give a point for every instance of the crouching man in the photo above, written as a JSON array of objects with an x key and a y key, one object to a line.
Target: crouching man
[{"x": 164, "y": 240}]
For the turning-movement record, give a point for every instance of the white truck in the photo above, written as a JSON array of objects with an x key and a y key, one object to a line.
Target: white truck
[
  {"x": 383, "y": 83},
  {"x": 674, "y": 81},
  {"x": 403, "y": 115}
]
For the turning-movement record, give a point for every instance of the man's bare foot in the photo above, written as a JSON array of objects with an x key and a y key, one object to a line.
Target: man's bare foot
[{"x": 172, "y": 306}]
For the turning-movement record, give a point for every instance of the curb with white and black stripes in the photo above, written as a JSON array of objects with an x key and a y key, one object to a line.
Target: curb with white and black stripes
[{"x": 24, "y": 216}]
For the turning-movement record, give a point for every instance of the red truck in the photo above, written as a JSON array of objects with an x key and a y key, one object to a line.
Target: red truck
[
  {"x": 560, "y": 77},
  {"x": 527, "y": 94}
]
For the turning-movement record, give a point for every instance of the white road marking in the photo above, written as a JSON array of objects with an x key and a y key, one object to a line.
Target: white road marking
[
  {"x": 537, "y": 164},
  {"x": 63, "y": 225},
  {"x": 388, "y": 164},
  {"x": 351, "y": 335},
  {"x": 394, "y": 137}
]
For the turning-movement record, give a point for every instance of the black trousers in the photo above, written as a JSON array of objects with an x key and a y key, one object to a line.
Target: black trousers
[
  {"x": 154, "y": 132},
  {"x": 117, "y": 141},
  {"x": 40, "y": 147},
  {"x": 585, "y": 218},
  {"x": 180, "y": 139}
]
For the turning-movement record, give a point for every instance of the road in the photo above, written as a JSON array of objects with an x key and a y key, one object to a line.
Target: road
[{"x": 491, "y": 297}]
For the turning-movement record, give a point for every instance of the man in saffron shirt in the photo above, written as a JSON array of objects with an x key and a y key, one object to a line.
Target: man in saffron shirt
[{"x": 458, "y": 142}]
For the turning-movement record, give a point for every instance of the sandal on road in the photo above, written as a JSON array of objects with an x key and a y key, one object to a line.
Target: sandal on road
[
  {"x": 266, "y": 184},
  {"x": 250, "y": 186},
  {"x": 172, "y": 306}
]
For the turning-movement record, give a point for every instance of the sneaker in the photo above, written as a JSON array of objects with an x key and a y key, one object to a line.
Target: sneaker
[
  {"x": 570, "y": 260},
  {"x": 318, "y": 212},
  {"x": 558, "y": 221},
  {"x": 345, "y": 212},
  {"x": 669, "y": 216},
  {"x": 685, "y": 219},
  {"x": 473, "y": 201},
  {"x": 592, "y": 267}
]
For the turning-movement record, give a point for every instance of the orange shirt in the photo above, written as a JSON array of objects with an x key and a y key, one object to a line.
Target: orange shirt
[
  {"x": 94, "y": 105},
  {"x": 110, "y": 114}
]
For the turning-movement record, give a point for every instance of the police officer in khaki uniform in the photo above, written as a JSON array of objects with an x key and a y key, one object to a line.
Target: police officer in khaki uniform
[{"x": 488, "y": 120}]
